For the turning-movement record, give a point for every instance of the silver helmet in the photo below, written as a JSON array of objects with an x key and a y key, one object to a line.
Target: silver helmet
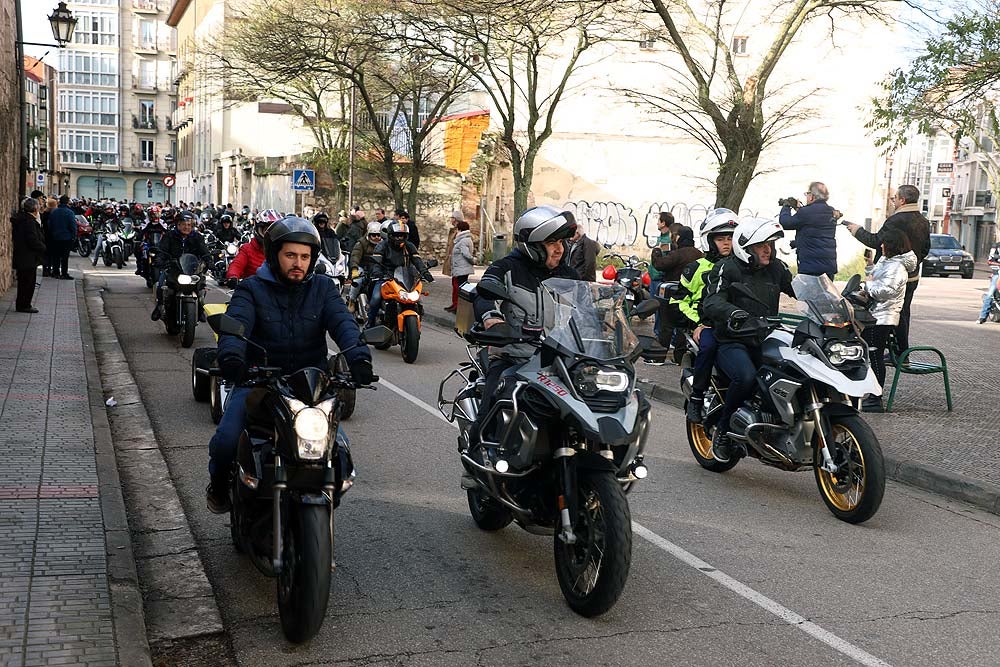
[{"x": 538, "y": 225}]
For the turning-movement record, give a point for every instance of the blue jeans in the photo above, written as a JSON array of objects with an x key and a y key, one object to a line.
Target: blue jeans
[
  {"x": 988, "y": 297},
  {"x": 740, "y": 365},
  {"x": 375, "y": 303},
  {"x": 654, "y": 287}
]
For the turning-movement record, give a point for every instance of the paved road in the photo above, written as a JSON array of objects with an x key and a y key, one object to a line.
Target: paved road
[{"x": 418, "y": 584}]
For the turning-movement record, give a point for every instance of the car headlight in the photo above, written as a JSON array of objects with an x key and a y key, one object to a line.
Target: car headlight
[
  {"x": 838, "y": 353},
  {"x": 184, "y": 279},
  {"x": 591, "y": 379},
  {"x": 930, "y": 260}
]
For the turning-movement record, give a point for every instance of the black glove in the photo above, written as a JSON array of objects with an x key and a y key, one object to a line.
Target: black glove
[
  {"x": 362, "y": 373},
  {"x": 428, "y": 278},
  {"x": 231, "y": 283},
  {"x": 232, "y": 368},
  {"x": 737, "y": 319}
]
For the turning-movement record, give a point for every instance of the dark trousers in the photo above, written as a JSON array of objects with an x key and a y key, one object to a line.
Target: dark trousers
[
  {"x": 58, "y": 257},
  {"x": 903, "y": 328},
  {"x": 704, "y": 362},
  {"x": 25, "y": 288},
  {"x": 877, "y": 338},
  {"x": 456, "y": 282},
  {"x": 739, "y": 363}
]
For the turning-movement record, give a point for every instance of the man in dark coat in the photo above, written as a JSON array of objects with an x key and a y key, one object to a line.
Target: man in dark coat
[
  {"x": 62, "y": 231},
  {"x": 29, "y": 252},
  {"x": 908, "y": 219},
  {"x": 815, "y": 227},
  {"x": 581, "y": 253},
  {"x": 670, "y": 265}
]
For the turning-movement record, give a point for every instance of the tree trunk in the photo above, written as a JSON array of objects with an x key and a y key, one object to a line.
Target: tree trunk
[{"x": 743, "y": 148}]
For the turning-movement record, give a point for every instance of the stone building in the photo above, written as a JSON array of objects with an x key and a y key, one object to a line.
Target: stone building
[{"x": 10, "y": 140}]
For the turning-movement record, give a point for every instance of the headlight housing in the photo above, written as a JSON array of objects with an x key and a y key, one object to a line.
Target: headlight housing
[
  {"x": 232, "y": 249},
  {"x": 590, "y": 379},
  {"x": 185, "y": 279},
  {"x": 409, "y": 296},
  {"x": 312, "y": 428},
  {"x": 838, "y": 352}
]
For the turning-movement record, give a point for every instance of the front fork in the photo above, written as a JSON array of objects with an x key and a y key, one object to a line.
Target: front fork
[
  {"x": 280, "y": 485},
  {"x": 567, "y": 495},
  {"x": 815, "y": 407}
]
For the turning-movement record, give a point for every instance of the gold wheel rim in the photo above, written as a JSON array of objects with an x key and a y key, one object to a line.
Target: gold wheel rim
[
  {"x": 846, "y": 490},
  {"x": 702, "y": 443}
]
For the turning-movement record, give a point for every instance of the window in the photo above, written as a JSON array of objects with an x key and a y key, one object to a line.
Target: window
[
  {"x": 146, "y": 152},
  {"x": 739, "y": 46},
  {"x": 147, "y": 74},
  {"x": 96, "y": 28},
  {"x": 88, "y": 107},
  {"x": 648, "y": 41},
  {"x": 146, "y": 112},
  {"x": 82, "y": 146},
  {"x": 88, "y": 69},
  {"x": 146, "y": 35}
]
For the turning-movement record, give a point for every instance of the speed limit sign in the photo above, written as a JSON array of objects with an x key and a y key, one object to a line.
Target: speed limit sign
[{"x": 168, "y": 181}]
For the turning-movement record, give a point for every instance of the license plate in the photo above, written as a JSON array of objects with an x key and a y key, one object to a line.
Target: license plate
[
  {"x": 951, "y": 268},
  {"x": 630, "y": 297}
]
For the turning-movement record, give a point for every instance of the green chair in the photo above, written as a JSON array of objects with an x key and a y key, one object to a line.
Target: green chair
[{"x": 903, "y": 365}]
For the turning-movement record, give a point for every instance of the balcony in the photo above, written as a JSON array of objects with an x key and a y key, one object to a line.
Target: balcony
[
  {"x": 977, "y": 202},
  {"x": 144, "y": 124},
  {"x": 181, "y": 117},
  {"x": 137, "y": 163},
  {"x": 145, "y": 6},
  {"x": 142, "y": 84}
]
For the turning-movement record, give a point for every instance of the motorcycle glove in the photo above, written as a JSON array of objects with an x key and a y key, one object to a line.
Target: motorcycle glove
[
  {"x": 232, "y": 282},
  {"x": 362, "y": 373},
  {"x": 232, "y": 368},
  {"x": 737, "y": 319},
  {"x": 428, "y": 278}
]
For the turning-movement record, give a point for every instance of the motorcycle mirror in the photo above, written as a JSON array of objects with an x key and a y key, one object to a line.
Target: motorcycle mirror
[
  {"x": 320, "y": 268},
  {"x": 231, "y": 326},
  {"x": 646, "y": 308},
  {"x": 376, "y": 335},
  {"x": 431, "y": 263}
]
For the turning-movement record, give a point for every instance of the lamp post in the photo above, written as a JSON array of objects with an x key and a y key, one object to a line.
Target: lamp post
[
  {"x": 98, "y": 162},
  {"x": 169, "y": 160},
  {"x": 63, "y": 24}
]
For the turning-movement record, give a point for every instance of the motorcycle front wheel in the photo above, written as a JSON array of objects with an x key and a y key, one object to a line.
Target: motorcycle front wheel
[
  {"x": 304, "y": 581},
  {"x": 592, "y": 571},
  {"x": 202, "y": 358},
  {"x": 853, "y": 493},
  {"x": 409, "y": 346},
  {"x": 190, "y": 321},
  {"x": 116, "y": 257},
  {"x": 107, "y": 258},
  {"x": 83, "y": 248}
]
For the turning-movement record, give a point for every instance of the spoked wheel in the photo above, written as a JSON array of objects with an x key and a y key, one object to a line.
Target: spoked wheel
[
  {"x": 488, "y": 514},
  {"x": 854, "y": 492},
  {"x": 304, "y": 580},
  {"x": 701, "y": 447},
  {"x": 592, "y": 571}
]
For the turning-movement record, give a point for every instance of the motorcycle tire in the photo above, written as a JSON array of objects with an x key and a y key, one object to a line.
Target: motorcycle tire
[
  {"x": 190, "y": 321},
  {"x": 348, "y": 397},
  {"x": 603, "y": 528},
  {"x": 215, "y": 400},
  {"x": 107, "y": 258},
  {"x": 116, "y": 257},
  {"x": 83, "y": 248},
  {"x": 994, "y": 315},
  {"x": 203, "y": 358},
  {"x": 150, "y": 282},
  {"x": 409, "y": 344},
  {"x": 304, "y": 580},
  {"x": 488, "y": 513},
  {"x": 236, "y": 510},
  {"x": 855, "y": 493},
  {"x": 701, "y": 448}
]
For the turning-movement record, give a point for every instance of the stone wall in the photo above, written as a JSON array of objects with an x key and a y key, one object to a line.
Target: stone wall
[{"x": 9, "y": 136}]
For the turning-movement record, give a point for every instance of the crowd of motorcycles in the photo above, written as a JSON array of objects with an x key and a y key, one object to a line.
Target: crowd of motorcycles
[{"x": 560, "y": 445}]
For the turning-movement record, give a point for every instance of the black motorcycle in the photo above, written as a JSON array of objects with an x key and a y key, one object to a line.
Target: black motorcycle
[
  {"x": 146, "y": 250},
  {"x": 293, "y": 465},
  {"x": 182, "y": 294}
]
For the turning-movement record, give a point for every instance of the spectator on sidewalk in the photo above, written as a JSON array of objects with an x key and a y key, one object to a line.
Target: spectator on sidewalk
[
  {"x": 462, "y": 264},
  {"x": 581, "y": 253},
  {"x": 62, "y": 231},
  {"x": 815, "y": 227},
  {"x": 414, "y": 235},
  {"x": 908, "y": 219},
  {"x": 886, "y": 288},
  {"x": 456, "y": 217},
  {"x": 993, "y": 261},
  {"x": 46, "y": 209},
  {"x": 28, "y": 252},
  {"x": 670, "y": 265},
  {"x": 663, "y": 244}
]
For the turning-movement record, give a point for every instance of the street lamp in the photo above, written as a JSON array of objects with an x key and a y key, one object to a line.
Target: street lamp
[
  {"x": 98, "y": 162},
  {"x": 63, "y": 24}
]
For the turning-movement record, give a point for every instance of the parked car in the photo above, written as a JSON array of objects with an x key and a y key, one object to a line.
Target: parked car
[{"x": 947, "y": 257}]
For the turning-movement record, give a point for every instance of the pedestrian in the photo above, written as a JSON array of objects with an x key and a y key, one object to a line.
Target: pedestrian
[
  {"x": 352, "y": 231},
  {"x": 670, "y": 265},
  {"x": 456, "y": 216},
  {"x": 908, "y": 219},
  {"x": 885, "y": 286},
  {"x": 815, "y": 227},
  {"x": 47, "y": 209},
  {"x": 414, "y": 235},
  {"x": 663, "y": 244},
  {"x": 581, "y": 253},
  {"x": 62, "y": 231},
  {"x": 28, "y": 252},
  {"x": 462, "y": 261},
  {"x": 994, "y": 263}
]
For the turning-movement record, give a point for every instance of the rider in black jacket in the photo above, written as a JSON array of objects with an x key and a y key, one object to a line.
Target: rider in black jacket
[
  {"x": 390, "y": 254},
  {"x": 180, "y": 240},
  {"x": 227, "y": 232}
]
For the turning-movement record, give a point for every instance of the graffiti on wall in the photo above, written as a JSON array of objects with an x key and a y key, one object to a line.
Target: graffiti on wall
[{"x": 607, "y": 222}]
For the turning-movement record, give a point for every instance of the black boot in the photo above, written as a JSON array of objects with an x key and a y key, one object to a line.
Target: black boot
[
  {"x": 695, "y": 405},
  {"x": 724, "y": 448},
  {"x": 217, "y": 494}
]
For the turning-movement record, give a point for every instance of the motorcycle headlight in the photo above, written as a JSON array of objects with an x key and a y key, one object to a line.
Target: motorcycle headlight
[
  {"x": 590, "y": 379},
  {"x": 838, "y": 353},
  {"x": 231, "y": 249},
  {"x": 112, "y": 237},
  {"x": 409, "y": 296},
  {"x": 185, "y": 279},
  {"x": 312, "y": 426}
]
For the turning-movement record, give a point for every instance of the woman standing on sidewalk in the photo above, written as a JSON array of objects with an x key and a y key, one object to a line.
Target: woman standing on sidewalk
[
  {"x": 886, "y": 287},
  {"x": 29, "y": 252},
  {"x": 461, "y": 260}
]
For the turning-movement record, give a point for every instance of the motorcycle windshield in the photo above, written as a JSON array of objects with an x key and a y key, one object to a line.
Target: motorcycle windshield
[
  {"x": 190, "y": 264},
  {"x": 406, "y": 276},
  {"x": 587, "y": 318},
  {"x": 820, "y": 301}
]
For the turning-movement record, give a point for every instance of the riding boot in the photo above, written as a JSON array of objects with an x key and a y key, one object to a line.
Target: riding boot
[
  {"x": 217, "y": 494},
  {"x": 157, "y": 311},
  {"x": 695, "y": 405}
]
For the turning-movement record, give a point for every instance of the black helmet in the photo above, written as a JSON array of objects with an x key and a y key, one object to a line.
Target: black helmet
[
  {"x": 291, "y": 230},
  {"x": 185, "y": 216},
  {"x": 321, "y": 217},
  {"x": 399, "y": 233},
  {"x": 226, "y": 218}
]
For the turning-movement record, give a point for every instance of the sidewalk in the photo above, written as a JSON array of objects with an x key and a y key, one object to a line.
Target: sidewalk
[
  {"x": 953, "y": 454},
  {"x": 68, "y": 591}
]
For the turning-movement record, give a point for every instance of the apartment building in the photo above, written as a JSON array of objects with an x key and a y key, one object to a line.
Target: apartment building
[
  {"x": 44, "y": 170},
  {"x": 115, "y": 100}
]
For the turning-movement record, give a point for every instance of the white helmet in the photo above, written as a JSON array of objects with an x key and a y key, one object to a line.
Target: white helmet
[
  {"x": 752, "y": 231},
  {"x": 374, "y": 228},
  {"x": 718, "y": 221},
  {"x": 538, "y": 225}
]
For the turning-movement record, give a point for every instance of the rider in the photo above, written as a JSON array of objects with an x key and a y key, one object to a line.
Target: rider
[
  {"x": 746, "y": 284},
  {"x": 150, "y": 236},
  {"x": 538, "y": 237},
  {"x": 993, "y": 261},
  {"x": 250, "y": 255},
  {"x": 361, "y": 261},
  {"x": 717, "y": 230},
  {"x": 288, "y": 310},
  {"x": 390, "y": 254},
  {"x": 180, "y": 240},
  {"x": 105, "y": 221},
  {"x": 227, "y": 232},
  {"x": 329, "y": 243}
]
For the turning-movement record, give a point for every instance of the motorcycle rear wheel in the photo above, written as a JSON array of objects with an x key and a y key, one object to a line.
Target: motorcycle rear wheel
[
  {"x": 592, "y": 572},
  {"x": 701, "y": 448},
  {"x": 304, "y": 580},
  {"x": 855, "y": 493},
  {"x": 409, "y": 346},
  {"x": 215, "y": 402},
  {"x": 488, "y": 514},
  {"x": 190, "y": 319}
]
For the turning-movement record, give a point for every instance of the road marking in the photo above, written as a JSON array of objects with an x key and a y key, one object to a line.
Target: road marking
[{"x": 767, "y": 604}]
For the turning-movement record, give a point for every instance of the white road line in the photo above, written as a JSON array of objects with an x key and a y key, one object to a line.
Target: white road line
[{"x": 767, "y": 604}]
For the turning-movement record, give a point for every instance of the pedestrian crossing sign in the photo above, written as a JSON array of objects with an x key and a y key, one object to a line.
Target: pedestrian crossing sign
[{"x": 303, "y": 180}]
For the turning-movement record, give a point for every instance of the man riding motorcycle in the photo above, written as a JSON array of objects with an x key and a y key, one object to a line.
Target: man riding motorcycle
[
  {"x": 150, "y": 235},
  {"x": 538, "y": 253},
  {"x": 227, "y": 232},
  {"x": 746, "y": 284},
  {"x": 288, "y": 310},
  {"x": 390, "y": 254},
  {"x": 329, "y": 243},
  {"x": 250, "y": 256},
  {"x": 105, "y": 221},
  {"x": 181, "y": 240},
  {"x": 360, "y": 263}
]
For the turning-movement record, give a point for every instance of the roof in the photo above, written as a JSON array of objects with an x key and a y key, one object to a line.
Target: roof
[
  {"x": 467, "y": 114},
  {"x": 34, "y": 68},
  {"x": 177, "y": 12}
]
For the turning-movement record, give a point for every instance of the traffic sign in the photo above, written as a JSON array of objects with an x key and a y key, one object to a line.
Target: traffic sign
[
  {"x": 303, "y": 180},
  {"x": 41, "y": 179},
  {"x": 168, "y": 181}
]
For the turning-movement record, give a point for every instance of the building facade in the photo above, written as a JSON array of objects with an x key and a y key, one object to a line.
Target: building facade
[
  {"x": 41, "y": 88},
  {"x": 115, "y": 100}
]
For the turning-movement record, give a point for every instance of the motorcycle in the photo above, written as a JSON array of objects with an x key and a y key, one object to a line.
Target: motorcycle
[
  {"x": 994, "y": 314},
  {"x": 129, "y": 239},
  {"x": 84, "y": 236},
  {"x": 802, "y": 413},
  {"x": 356, "y": 295},
  {"x": 402, "y": 311},
  {"x": 113, "y": 251},
  {"x": 223, "y": 254},
  {"x": 563, "y": 441},
  {"x": 632, "y": 276},
  {"x": 182, "y": 295},
  {"x": 292, "y": 467}
]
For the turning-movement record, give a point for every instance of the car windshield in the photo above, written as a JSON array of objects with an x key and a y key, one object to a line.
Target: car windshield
[
  {"x": 820, "y": 301},
  {"x": 944, "y": 242},
  {"x": 587, "y": 318}
]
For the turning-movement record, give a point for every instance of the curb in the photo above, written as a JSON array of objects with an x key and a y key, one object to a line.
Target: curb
[
  {"x": 123, "y": 580},
  {"x": 982, "y": 495}
]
